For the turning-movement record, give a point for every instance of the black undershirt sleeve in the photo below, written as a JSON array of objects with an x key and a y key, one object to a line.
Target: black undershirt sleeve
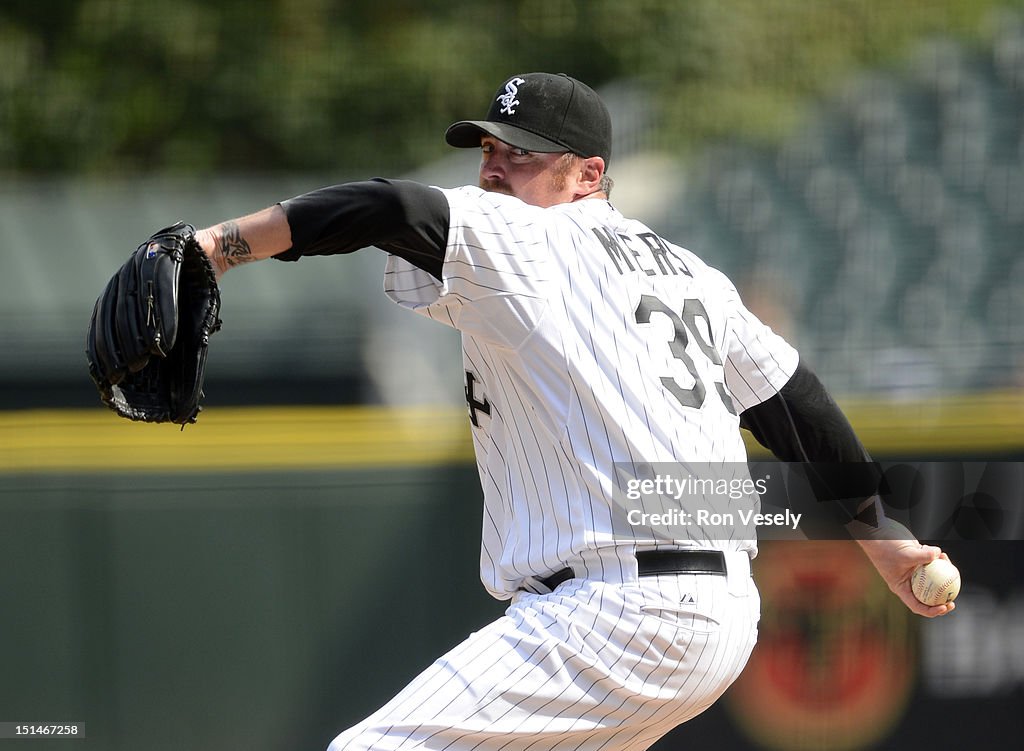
[
  {"x": 803, "y": 425},
  {"x": 401, "y": 217}
]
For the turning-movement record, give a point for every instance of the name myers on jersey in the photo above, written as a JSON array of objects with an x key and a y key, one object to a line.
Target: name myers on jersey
[{"x": 645, "y": 252}]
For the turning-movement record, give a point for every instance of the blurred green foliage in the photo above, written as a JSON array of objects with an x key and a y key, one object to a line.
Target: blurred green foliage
[{"x": 103, "y": 86}]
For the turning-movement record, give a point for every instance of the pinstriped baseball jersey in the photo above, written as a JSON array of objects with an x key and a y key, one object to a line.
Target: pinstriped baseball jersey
[{"x": 588, "y": 341}]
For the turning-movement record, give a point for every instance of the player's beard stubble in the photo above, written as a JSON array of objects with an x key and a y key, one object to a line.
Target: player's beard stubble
[
  {"x": 559, "y": 173},
  {"x": 495, "y": 186}
]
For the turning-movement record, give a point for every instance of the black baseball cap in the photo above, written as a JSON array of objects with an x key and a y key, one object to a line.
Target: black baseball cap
[{"x": 542, "y": 112}]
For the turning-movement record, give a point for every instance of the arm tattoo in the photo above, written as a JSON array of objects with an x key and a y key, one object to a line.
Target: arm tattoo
[{"x": 233, "y": 246}]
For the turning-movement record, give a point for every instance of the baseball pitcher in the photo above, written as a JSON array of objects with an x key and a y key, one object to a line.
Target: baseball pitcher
[{"x": 594, "y": 349}]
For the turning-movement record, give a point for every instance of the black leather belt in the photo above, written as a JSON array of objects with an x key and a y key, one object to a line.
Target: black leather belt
[{"x": 654, "y": 562}]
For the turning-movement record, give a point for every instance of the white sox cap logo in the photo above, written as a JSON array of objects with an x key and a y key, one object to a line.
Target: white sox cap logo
[
  {"x": 562, "y": 114},
  {"x": 508, "y": 99}
]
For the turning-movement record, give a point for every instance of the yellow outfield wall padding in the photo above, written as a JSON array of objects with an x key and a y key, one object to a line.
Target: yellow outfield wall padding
[
  {"x": 270, "y": 438},
  {"x": 950, "y": 425},
  {"x": 281, "y": 438}
]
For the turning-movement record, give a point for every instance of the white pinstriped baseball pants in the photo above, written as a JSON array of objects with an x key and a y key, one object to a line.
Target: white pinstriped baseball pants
[{"x": 589, "y": 666}]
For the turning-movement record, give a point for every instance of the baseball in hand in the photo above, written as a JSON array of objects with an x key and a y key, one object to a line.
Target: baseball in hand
[{"x": 936, "y": 583}]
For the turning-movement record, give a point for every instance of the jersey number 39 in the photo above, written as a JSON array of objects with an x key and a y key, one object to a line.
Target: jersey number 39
[{"x": 684, "y": 325}]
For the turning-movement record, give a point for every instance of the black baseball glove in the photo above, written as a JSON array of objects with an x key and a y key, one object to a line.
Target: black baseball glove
[{"x": 150, "y": 329}]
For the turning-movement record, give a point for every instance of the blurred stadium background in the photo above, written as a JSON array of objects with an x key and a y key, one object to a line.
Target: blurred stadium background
[{"x": 270, "y": 575}]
